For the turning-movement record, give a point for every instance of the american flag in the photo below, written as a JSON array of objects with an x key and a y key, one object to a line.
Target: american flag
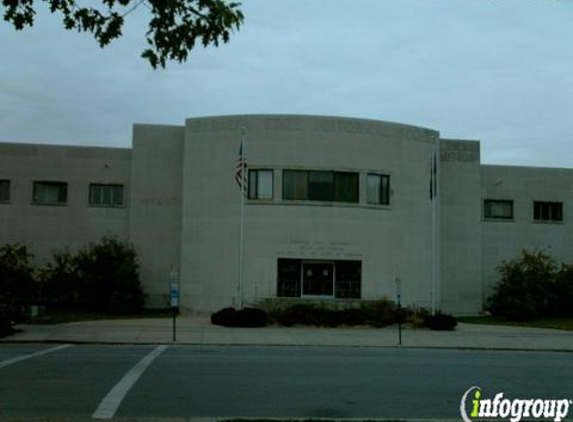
[{"x": 241, "y": 170}]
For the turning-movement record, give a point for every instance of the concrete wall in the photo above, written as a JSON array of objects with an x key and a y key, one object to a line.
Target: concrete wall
[
  {"x": 76, "y": 223},
  {"x": 390, "y": 240},
  {"x": 460, "y": 183},
  {"x": 155, "y": 223},
  {"x": 505, "y": 239}
]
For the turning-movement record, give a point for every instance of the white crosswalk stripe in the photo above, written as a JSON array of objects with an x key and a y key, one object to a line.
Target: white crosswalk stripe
[
  {"x": 17, "y": 359},
  {"x": 113, "y": 399}
]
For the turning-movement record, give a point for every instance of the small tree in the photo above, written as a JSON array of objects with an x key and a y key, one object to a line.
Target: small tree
[
  {"x": 525, "y": 287},
  {"x": 101, "y": 277},
  {"x": 18, "y": 288}
]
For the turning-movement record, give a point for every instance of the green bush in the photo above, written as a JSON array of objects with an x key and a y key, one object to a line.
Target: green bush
[
  {"x": 246, "y": 318},
  {"x": 532, "y": 286},
  {"x": 18, "y": 288},
  {"x": 5, "y": 322},
  {"x": 101, "y": 277},
  {"x": 378, "y": 313},
  {"x": 440, "y": 321}
]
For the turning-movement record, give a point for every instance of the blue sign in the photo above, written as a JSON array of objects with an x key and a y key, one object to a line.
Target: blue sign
[{"x": 174, "y": 289}]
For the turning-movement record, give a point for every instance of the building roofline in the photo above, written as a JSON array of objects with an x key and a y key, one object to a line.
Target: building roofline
[{"x": 309, "y": 117}]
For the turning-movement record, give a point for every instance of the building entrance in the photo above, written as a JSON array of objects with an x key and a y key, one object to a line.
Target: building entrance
[{"x": 318, "y": 278}]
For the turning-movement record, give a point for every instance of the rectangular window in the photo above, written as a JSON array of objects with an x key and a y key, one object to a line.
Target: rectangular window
[
  {"x": 318, "y": 185},
  {"x": 260, "y": 184},
  {"x": 288, "y": 280},
  {"x": 106, "y": 195},
  {"x": 378, "y": 189},
  {"x": 348, "y": 279},
  {"x": 495, "y": 208},
  {"x": 50, "y": 192},
  {"x": 547, "y": 211},
  {"x": 4, "y": 190},
  {"x": 295, "y": 184}
]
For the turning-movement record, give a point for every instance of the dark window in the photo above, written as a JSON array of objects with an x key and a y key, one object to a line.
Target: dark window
[
  {"x": 378, "y": 189},
  {"x": 288, "y": 280},
  {"x": 548, "y": 211},
  {"x": 4, "y": 190},
  {"x": 494, "y": 208},
  {"x": 260, "y": 184},
  {"x": 50, "y": 192},
  {"x": 316, "y": 185},
  {"x": 348, "y": 279},
  {"x": 106, "y": 195}
]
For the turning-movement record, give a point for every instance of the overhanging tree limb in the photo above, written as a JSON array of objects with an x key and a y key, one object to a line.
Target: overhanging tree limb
[{"x": 174, "y": 28}]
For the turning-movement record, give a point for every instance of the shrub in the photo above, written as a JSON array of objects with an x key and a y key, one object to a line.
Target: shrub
[
  {"x": 440, "y": 321},
  {"x": 101, "y": 277},
  {"x": 246, "y": 318},
  {"x": 530, "y": 287},
  {"x": 375, "y": 313},
  {"x": 18, "y": 288},
  {"x": 5, "y": 322},
  {"x": 224, "y": 317},
  {"x": 250, "y": 317}
]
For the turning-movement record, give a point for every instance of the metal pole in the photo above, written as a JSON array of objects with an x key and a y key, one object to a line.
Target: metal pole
[
  {"x": 174, "y": 311},
  {"x": 399, "y": 324},
  {"x": 244, "y": 181}
]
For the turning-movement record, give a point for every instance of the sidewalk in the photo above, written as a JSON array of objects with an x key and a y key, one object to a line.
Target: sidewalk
[{"x": 199, "y": 331}]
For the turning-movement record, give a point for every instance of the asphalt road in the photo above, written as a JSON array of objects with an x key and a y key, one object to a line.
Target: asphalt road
[{"x": 200, "y": 381}]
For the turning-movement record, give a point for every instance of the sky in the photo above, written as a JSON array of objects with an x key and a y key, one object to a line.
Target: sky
[{"x": 498, "y": 71}]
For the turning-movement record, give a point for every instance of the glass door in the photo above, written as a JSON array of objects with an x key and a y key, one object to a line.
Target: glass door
[{"x": 317, "y": 279}]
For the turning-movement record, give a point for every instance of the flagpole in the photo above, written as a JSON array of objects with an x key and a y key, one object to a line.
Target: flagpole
[
  {"x": 436, "y": 245},
  {"x": 244, "y": 181}
]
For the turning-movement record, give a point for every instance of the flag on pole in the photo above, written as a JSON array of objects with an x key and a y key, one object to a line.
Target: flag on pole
[
  {"x": 241, "y": 169},
  {"x": 433, "y": 177}
]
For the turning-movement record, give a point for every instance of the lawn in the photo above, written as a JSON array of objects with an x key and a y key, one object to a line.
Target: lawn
[
  {"x": 60, "y": 316},
  {"x": 558, "y": 323}
]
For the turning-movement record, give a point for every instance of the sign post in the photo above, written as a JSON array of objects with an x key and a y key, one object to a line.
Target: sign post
[
  {"x": 399, "y": 302},
  {"x": 174, "y": 295}
]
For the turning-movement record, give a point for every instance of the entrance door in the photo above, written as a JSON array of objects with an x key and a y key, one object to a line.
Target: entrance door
[{"x": 317, "y": 278}]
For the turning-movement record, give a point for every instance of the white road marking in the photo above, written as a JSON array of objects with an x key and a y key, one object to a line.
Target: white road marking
[
  {"x": 8, "y": 362},
  {"x": 113, "y": 399}
]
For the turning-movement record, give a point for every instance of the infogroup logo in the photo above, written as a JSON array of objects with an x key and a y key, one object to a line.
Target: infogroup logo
[{"x": 514, "y": 409}]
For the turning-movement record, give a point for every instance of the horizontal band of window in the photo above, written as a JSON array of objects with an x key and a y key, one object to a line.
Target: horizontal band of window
[
  {"x": 291, "y": 202},
  {"x": 59, "y": 204},
  {"x": 498, "y": 219},
  {"x": 106, "y": 206}
]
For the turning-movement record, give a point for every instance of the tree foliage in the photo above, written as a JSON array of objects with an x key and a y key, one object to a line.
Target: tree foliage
[
  {"x": 533, "y": 286},
  {"x": 101, "y": 277},
  {"x": 17, "y": 283},
  {"x": 174, "y": 28}
]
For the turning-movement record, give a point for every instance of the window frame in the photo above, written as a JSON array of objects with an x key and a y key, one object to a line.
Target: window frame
[
  {"x": 381, "y": 195},
  {"x": 313, "y": 192},
  {"x": 487, "y": 201},
  {"x": 59, "y": 184},
  {"x": 549, "y": 204},
  {"x": 102, "y": 195},
  {"x": 9, "y": 191},
  {"x": 256, "y": 195}
]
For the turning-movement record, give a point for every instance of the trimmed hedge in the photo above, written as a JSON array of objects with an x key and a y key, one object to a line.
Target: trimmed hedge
[
  {"x": 440, "y": 321},
  {"x": 245, "y": 318}
]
